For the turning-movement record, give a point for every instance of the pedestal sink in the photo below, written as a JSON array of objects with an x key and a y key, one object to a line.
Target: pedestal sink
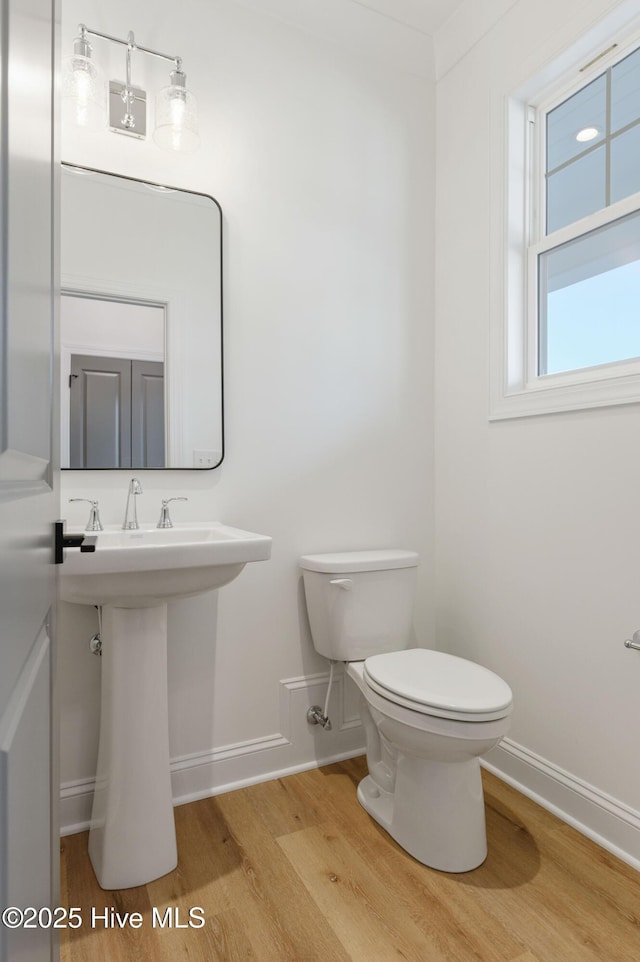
[{"x": 131, "y": 577}]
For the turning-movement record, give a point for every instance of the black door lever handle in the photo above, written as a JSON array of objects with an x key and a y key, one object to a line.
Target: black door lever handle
[{"x": 62, "y": 541}]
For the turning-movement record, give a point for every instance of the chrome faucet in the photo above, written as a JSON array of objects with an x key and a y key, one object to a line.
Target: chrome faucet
[
  {"x": 94, "y": 523},
  {"x": 165, "y": 518},
  {"x": 134, "y": 488}
]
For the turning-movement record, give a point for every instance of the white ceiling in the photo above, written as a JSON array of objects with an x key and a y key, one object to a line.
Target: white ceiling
[
  {"x": 423, "y": 15},
  {"x": 406, "y": 33}
]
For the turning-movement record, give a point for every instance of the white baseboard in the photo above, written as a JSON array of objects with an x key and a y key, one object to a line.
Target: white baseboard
[
  {"x": 299, "y": 746},
  {"x": 296, "y": 747},
  {"x": 607, "y": 821}
]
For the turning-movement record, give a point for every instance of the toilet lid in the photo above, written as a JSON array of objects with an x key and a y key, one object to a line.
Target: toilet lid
[{"x": 434, "y": 682}]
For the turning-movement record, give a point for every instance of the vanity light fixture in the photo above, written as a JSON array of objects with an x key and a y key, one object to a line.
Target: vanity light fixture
[
  {"x": 83, "y": 87},
  {"x": 176, "y": 117},
  {"x": 83, "y": 92}
]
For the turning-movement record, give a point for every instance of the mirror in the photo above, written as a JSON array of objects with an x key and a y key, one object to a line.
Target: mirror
[{"x": 140, "y": 323}]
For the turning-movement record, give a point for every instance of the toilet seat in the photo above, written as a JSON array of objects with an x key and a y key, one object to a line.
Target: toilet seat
[{"x": 436, "y": 683}]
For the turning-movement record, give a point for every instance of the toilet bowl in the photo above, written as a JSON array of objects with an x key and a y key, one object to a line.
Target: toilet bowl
[{"x": 428, "y": 716}]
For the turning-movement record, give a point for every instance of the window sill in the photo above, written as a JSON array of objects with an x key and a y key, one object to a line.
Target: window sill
[{"x": 556, "y": 399}]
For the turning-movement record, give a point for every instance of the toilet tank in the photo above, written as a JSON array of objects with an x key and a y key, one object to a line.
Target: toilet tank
[{"x": 359, "y": 602}]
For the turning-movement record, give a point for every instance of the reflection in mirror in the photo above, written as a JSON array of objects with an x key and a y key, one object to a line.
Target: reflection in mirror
[{"x": 141, "y": 325}]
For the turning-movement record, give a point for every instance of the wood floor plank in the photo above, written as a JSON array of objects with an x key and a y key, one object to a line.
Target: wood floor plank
[
  {"x": 283, "y": 807},
  {"x": 230, "y": 878},
  {"x": 274, "y": 887},
  {"x": 79, "y": 889},
  {"x": 296, "y": 871},
  {"x": 354, "y": 898},
  {"x": 444, "y": 910},
  {"x": 227, "y": 941},
  {"x": 608, "y": 881},
  {"x": 527, "y": 876}
]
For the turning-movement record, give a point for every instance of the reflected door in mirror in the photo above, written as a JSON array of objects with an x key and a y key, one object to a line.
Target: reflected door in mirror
[{"x": 116, "y": 413}]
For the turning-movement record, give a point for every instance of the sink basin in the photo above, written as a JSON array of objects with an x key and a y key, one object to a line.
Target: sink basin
[
  {"x": 131, "y": 576},
  {"x": 150, "y": 566}
]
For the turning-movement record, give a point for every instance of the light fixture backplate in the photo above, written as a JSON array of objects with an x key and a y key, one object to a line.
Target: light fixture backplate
[{"x": 117, "y": 111}]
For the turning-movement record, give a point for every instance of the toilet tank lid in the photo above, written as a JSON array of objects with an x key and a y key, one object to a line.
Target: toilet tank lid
[{"x": 340, "y": 562}]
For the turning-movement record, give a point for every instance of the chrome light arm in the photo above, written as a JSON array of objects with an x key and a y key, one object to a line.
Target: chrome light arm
[{"x": 130, "y": 43}]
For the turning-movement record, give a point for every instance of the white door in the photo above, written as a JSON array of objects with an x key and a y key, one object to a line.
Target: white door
[{"x": 28, "y": 496}]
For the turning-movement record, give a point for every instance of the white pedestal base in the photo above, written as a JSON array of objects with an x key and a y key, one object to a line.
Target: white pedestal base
[{"x": 132, "y": 838}]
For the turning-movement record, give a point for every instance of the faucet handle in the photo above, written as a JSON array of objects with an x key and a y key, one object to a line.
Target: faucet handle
[
  {"x": 165, "y": 520},
  {"x": 94, "y": 523}
]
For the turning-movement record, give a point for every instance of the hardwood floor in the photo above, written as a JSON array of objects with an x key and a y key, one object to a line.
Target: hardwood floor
[{"x": 294, "y": 870}]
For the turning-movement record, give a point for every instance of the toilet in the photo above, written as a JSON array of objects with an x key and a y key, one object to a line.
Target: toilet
[{"x": 428, "y": 716}]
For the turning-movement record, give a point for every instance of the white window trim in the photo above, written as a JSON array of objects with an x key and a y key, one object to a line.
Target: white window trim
[{"x": 516, "y": 390}]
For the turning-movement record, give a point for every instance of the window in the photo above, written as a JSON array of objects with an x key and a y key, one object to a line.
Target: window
[
  {"x": 573, "y": 242},
  {"x": 588, "y": 285},
  {"x": 589, "y": 299}
]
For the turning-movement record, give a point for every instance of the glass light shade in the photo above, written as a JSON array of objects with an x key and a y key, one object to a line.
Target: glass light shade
[
  {"x": 176, "y": 120},
  {"x": 83, "y": 93}
]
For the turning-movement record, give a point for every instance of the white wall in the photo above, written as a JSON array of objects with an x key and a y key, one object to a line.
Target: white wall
[
  {"x": 322, "y": 161},
  {"x": 537, "y": 518}
]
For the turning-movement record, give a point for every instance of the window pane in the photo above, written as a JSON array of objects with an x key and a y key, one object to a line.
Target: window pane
[
  {"x": 576, "y": 190},
  {"x": 590, "y": 299},
  {"x": 585, "y": 109},
  {"x": 625, "y": 91},
  {"x": 625, "y": 164}
]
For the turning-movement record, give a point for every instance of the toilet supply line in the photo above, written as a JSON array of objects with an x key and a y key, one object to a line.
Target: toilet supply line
[{"x": 315, "y": 715}]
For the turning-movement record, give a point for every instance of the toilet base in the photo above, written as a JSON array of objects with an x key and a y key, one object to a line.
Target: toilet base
[{"x": 436, "y": 812}]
